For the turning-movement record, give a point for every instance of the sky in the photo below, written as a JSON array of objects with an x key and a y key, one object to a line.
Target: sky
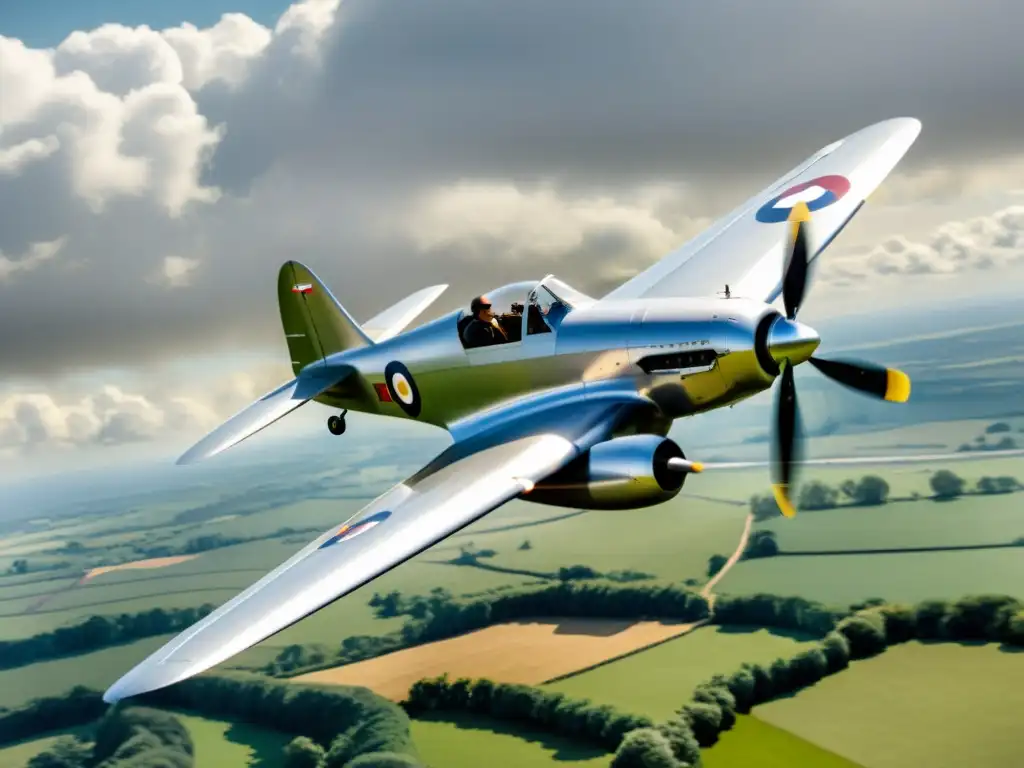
[{"x": 159, "y": 161}]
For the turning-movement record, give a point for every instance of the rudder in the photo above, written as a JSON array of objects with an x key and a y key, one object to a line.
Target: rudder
[{"x": 315, "y": 324}]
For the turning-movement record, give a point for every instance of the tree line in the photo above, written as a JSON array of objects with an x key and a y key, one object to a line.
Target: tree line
[
  {"x": 126, "y": 737},
  {"x": 862, "y": 631},
  {"x": 345, "y": 722},
  {"x": 440, "y": 616},
  {"x": 335, "y": 726},
  {"x": 872, "y": 490},
  {"x": 98, "y": 632},
  {"x": 868, "y": 631}
]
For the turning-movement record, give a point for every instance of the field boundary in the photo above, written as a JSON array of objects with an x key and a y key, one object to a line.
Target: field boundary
[{"x": 707, "y": 592}]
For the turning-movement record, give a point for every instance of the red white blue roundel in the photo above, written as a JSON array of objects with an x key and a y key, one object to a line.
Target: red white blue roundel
[
  {"x": 347, "y": 532},
  {"x": 817, "y": 194}
]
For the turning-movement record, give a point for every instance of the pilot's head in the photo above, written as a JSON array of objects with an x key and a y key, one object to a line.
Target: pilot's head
[{"x": 481, "y": 309}]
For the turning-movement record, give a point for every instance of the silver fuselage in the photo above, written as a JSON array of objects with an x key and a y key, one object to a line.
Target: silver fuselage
[{"x": 630, "y": 344}]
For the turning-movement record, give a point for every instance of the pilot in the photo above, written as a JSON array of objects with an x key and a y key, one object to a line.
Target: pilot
[{"x": 484, "y": 329}]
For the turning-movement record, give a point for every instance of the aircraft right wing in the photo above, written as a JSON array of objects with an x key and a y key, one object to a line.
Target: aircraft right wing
[{"x": 746, "y": 248}]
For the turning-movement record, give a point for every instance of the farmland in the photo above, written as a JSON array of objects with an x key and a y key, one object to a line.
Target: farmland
[
  {"x": 658, "y": 681},
  {"x": 459, "y": 743},
  {"x": 529, "y": 653},
  {"x": 875, "y": 714},
  {"x": 220, "y": 743},
  {"x": 525, "y": 544},
  {"x": 753, "y": 743}
]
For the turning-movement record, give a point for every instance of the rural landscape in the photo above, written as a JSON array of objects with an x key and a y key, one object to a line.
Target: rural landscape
[{"x": 883, "y": 627}]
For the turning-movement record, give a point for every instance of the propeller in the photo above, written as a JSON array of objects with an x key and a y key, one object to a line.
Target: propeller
[{"x": 791, "y": 343}]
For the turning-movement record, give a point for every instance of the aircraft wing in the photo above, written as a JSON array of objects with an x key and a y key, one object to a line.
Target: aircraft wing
[
  {"x": 458, "y": 487},
  {"x": 746, "y": 248},
  {"x": 395, "y": 318}
]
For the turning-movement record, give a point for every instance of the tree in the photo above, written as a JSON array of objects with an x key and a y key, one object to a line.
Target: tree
[
  {"x": 764, "y": 507},
  {"x": 817, "y": 495},
  {"x": 526, "y": 545},
  {"x": 996, "y": 427},
  {"x": 681, "y": 740},
  {"x": 715, "y": 564},
  {"x": 989, "y": 485},
  {"x": 871, "y": 490},
  {"x": 761, "y": 544},
  {"x": 303, "y": 752},
  {"x": 644, "y": 748},
  {"x": 66, "y": 752},
  {"x": 383, "y": 760},
  {"x": 946, "y": 484},
  {"x": 849, "y": 489}
]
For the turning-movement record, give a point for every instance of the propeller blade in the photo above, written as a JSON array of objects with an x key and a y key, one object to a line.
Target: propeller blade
[
  {"x": 875, "y": 380},
  {"x": 787, "y": 441},
  {"x": 794, "y": 281}
]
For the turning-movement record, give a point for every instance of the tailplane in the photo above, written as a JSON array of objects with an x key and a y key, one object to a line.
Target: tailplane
[{"x": 316, "y": 326}]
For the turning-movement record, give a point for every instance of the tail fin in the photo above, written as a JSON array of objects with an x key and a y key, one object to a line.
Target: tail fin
[{"x": 315, "y": 324}]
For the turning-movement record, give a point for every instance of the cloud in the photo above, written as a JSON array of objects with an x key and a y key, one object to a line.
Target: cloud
[
  {"x": 390, "y": 145},
  {"x": 177, "y": 271},
  {"x": 982, "y": 243},
  {"x": 539, "y": 228},
  {"x": 39, "y": 422},
  {"x": 37, "y": 254}
]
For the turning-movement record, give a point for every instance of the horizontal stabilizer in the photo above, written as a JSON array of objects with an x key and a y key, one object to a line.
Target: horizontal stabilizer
[
  {"x": 263, "y": 413},
  {"x": 394, "y": 319}
]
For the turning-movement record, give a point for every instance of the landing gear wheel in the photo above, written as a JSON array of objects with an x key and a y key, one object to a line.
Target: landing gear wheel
[{"x": 336, "y": 425}]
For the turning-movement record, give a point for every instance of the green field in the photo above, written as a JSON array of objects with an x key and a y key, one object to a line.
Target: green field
[
  {"x": 753, "y": 743},
  {"x": 94, "y": 670},
  {"x": 942, "y": 706},
  {"x": 967, "y": 520},
  {"x": 16, "y": 755},
  {"x": 469, "y": 742},
  {"x": 658, "y": 681},
  {"x": 220, "y": 744}
]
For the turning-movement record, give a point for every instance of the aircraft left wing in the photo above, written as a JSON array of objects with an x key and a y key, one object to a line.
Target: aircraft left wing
[
  {"x": 746, "y": 249},
  {"x": 448, "y": 494}
]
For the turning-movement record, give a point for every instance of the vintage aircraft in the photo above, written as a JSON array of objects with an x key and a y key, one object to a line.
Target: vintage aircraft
[{"x": 570, "y": 407}]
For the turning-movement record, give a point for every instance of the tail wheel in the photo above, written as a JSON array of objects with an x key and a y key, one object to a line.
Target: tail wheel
[{"x": 336, "y": 425}]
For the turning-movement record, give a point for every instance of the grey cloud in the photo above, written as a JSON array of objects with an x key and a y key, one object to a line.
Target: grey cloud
[{"x": 324, "y": 158}]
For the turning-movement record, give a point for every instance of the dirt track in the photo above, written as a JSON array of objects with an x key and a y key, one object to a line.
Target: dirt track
[{"x": 153, "y": 562}]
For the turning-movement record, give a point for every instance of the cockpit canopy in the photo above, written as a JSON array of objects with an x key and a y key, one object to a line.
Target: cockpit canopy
[{"x": 525, "y": 308}]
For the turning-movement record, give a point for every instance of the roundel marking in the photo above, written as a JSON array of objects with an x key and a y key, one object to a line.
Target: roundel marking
[
  {"x": 816, "y": 193},
  {"x": 402, "y": 388},
  {"x": 347, "y": 532}
]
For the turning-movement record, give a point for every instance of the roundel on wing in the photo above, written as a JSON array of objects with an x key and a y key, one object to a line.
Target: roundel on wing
[
  {"x": 817, "y": 194},
  {"x": 347, "y": 532},
  {"x": 402, "y": 388}
]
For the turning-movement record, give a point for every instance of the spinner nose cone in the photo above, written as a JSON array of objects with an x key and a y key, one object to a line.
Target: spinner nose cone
[{"x": 792, "y": 341}]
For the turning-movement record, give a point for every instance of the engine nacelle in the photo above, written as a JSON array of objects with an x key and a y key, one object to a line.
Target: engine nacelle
[{"x": 622, "y": 473}]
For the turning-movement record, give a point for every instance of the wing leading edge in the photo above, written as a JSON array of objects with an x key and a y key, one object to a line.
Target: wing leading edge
[
  {"x": 746, "y": 248},
  {"x": 435, "y": 503}
]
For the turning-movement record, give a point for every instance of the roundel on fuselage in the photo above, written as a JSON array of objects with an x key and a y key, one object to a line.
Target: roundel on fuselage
[
  {"x": 402, "y": 388},
  {"x": 816, "y": 193}
]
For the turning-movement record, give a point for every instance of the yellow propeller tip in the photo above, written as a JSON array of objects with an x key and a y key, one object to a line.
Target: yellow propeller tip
[
  {"x": 782, "y": 499},
  {"x": 897, "y": 386},
  {"x": 697, "y": 467}
]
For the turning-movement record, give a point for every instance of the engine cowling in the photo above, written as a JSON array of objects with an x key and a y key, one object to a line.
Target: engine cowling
[{"x": 622, "y": 473}]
